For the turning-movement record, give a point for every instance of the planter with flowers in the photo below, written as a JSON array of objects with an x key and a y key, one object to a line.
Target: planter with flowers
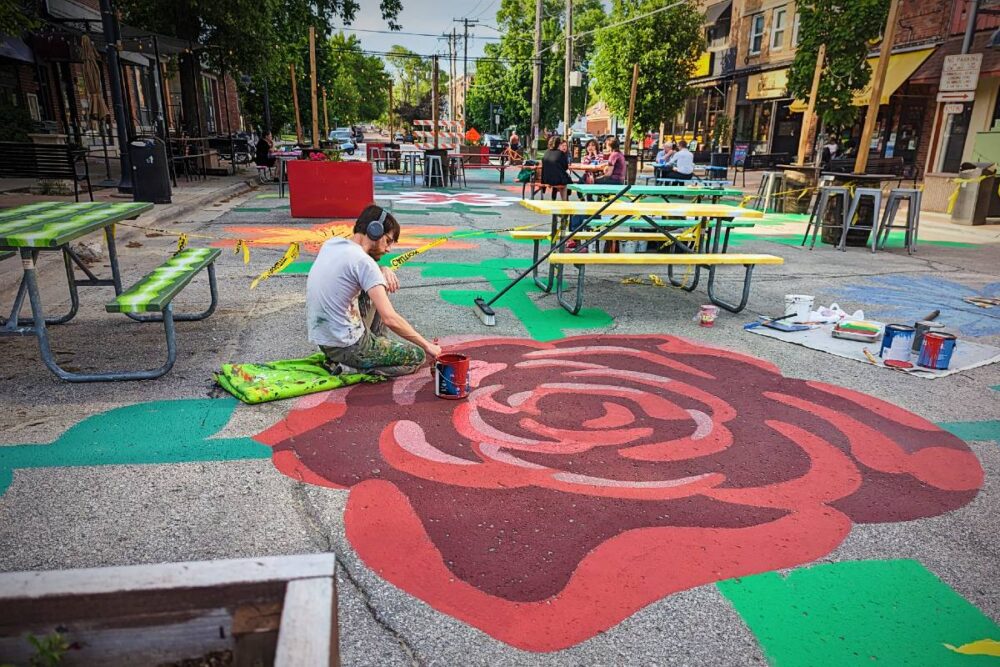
[{"x": 325, "y": 186}]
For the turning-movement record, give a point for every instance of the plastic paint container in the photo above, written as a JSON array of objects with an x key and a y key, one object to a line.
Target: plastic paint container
[
  {"x": 800, "y": 305},
  {"x": 896, "y": 342},
  {"x": 707, "y": 315},
  {"x": 936, "y": 350},
  {"x": 451, "y": 376}
]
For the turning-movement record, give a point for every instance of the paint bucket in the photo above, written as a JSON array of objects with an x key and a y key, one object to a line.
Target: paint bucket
[
  {"x": 707, "y": 315},
  {"x": 922, "y": 328},
  {"x": 799, "y": 305},
  {"x": 936, "y": 350},
  {"x": 896, "y": 342},
  {"x": 451, "y": 376}
]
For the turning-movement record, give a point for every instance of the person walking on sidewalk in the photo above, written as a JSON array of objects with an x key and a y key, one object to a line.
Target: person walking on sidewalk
[{"x": 348, "y": 307}]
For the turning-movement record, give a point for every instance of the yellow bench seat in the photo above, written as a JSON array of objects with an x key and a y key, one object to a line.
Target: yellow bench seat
[{"x": 650, "y": 259}]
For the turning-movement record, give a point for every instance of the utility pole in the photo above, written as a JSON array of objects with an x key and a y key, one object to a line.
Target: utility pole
[
  {"x": 465, "y": 67},
  {"x": 878, "y": 80},
  {"x": 434, "y": 99},
  {"x": 536, "y": 81},
  {"x": 567, "y": 106}
]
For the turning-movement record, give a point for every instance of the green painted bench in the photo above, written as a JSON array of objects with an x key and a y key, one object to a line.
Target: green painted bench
[{"x": 154, "y": 293}]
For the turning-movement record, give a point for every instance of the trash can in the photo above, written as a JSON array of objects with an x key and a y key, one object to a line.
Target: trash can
[
  {"x": 977, "y": 194},
  {"x": 631, "y": 168},
  {"x": 150, "y": 170}
]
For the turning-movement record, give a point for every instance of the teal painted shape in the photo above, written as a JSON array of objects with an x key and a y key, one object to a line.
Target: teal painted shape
[
  {"x": 157, "y": 432},
  {"x": 457, "y": 207},
  {"x": 884, "y": 612},
  {"x": 973, "y": 431}
]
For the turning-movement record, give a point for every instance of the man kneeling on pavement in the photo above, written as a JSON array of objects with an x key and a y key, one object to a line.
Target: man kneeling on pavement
[{"x": 348, "y": 308}]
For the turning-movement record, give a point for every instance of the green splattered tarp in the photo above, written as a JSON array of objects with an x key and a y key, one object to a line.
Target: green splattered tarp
[{"x": 276, "y": 380}]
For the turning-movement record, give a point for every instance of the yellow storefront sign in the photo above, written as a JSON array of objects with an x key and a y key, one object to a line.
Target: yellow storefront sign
[
  {"x": 767, "y": 85},
  {"x": 702, "y": 66}
]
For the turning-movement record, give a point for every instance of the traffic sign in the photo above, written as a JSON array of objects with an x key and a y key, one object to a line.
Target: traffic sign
[
  {"x": 957, "y": 96},
  {"x": 954, "y": 108},
  {"x": 960, "y": 72}
]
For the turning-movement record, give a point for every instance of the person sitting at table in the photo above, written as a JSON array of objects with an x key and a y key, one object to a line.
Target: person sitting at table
[
  {"x": 555, "y": 165},
  {"x": 680, "y": 165},
  {"x": 667, "y": 149},
  {"x": 592, "y": 153},
  {"x": 264, "y": 147},
  {"x": 614, "y": 171}
]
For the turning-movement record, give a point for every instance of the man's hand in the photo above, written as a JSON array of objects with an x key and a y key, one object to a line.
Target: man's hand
[
  {"x": 433, "y": 351},
  {"x": 391, "y": 279}
]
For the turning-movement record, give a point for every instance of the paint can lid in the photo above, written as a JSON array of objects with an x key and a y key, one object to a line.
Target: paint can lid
[{"x": 898, "y": 363}]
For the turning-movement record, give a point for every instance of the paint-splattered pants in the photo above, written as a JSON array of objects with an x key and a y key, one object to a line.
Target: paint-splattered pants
[{"x": 375, "y": 353}]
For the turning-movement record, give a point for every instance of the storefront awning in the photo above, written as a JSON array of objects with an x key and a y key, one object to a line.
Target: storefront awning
[
  {"x": 767, "y": 85},
  {"x": 14, "y": 48},
  {"x": 901, "y": 67},
  {"x": 713, "y": 12}
]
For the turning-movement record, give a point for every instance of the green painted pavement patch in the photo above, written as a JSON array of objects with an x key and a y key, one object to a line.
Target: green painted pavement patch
[
  {"x": 260, "y": 209},
  {"x": 177, "y": 431},
  {"x": 895, "y": 240},
  {"x": 268, "y": 196},
  {"x": 892, "y": 612},
  {"x": 542, "y": 324},
  {"x": 973, "y": 431}
]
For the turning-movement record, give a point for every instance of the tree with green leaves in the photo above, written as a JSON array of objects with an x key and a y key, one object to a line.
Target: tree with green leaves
[
  {"x": 16, "y": 17},
  {"x": 413, "y": 80},
  {"x": 666, "y": 45},
  {"x": 850, "y": 29},
  {"x": 504, "y": 75},
  {"x": 254, "y": 37}
]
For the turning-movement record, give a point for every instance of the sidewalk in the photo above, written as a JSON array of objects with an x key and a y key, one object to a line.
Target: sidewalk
[{"x": 186, "y": 198}]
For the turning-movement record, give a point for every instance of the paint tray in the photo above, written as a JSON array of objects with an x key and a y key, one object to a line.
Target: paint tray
[{"x": 860, "y": 330}]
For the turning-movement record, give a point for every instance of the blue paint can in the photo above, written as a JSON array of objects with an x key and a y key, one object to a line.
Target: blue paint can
[
  {"x": 936, "y": 350},
  {"x": 896, "y": 342}
]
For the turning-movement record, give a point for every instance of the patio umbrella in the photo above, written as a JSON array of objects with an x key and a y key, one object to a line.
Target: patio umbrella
[{"x": 92, "y": 80}]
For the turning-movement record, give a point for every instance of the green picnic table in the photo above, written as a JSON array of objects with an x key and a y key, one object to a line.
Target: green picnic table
[
  {"x": 637, "y": 192},
  {"x": 51, "y": 226}
]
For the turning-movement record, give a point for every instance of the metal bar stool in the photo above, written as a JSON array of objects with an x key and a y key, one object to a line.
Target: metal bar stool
[
  {"x": 888, "y": 222},
  {"x": 771, "y": 183},
  {"x": 456, "y": 170},
  {"x": 826, "y": 199},
  {"x": 852, "y": 211},
  {"x": 435, "y": 170}
]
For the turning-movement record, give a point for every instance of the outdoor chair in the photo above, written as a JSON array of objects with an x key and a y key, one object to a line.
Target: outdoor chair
[
  {"x": 887, "y": 223},
  {"x": 771, "y": 185},
  {"x": 852, "y": 211},
  {"x": 826, "y": 200},
  {"x": 435, "y": 171}
]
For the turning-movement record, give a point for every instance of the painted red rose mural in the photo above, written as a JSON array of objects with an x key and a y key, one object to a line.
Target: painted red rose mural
[{"x": 586, "y": 478}]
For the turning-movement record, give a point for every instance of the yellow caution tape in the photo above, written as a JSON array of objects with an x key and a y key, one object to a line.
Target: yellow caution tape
[
  {"x": 410, "y": 254},
  {"x": 290, "y": 256},
  {"x": 182, "y": 242},
  {"x": 245, "y": 247},
  {"x": 959, "y": 184},
  {"x": 980, "y": 647}
]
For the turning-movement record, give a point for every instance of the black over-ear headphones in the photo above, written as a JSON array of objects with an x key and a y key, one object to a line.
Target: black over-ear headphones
[{"x": 376, "y": 228}]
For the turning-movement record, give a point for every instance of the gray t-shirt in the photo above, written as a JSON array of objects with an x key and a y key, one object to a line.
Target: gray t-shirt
[{"x": 342, "y": 271}]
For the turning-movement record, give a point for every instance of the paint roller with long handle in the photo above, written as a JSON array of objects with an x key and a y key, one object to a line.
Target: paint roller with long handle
[{"x": 483, "y": 307}]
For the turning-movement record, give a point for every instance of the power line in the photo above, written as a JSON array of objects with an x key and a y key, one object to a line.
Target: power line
[{"x": 408, "y": 34}]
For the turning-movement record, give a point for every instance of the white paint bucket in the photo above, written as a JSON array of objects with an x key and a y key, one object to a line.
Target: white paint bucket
[{"x": 799, "y": 305}]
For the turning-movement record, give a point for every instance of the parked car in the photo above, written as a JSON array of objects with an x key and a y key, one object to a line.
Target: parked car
[
  {"x": 495, "y": 142},
  {"x": 403, "y": 138},
  {"x": 344, "y": 139},
  {"x": 582, "y": 137}
]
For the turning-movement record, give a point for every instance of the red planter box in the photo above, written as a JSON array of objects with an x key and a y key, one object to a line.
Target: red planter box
[{"x": 324, "y": 189}]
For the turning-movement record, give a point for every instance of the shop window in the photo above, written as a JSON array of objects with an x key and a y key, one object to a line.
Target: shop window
[
  {"x": 756, "y": 33},
  {"x": 795, "y": 30},
  {"x": 778, "y": 22},
  {"x": 956, "y": 131},
  {"x": 33, "y": 108}
]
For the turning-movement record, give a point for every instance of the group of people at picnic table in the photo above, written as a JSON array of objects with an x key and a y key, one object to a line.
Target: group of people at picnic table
[{"x": 673, "y": 161}]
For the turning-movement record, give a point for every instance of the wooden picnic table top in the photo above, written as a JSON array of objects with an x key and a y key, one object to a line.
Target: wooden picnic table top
[
  {"x": 42, "y": 226},
  {"x": 669, "y": 209},
  {"x": 655, "y": 190}
]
